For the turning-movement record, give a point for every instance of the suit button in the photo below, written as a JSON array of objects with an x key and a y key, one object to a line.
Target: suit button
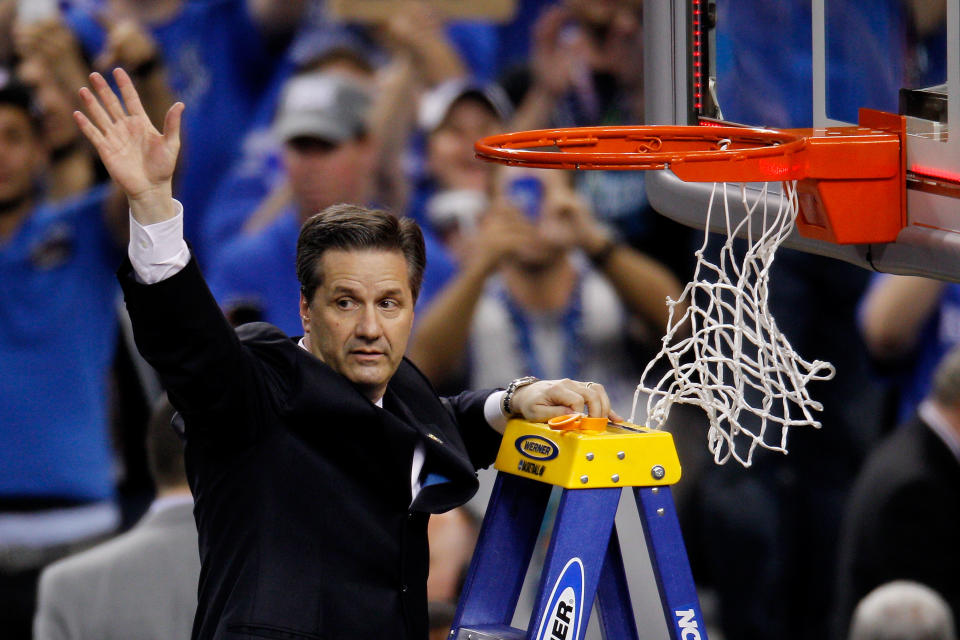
[{"x": 403, "y": 588}]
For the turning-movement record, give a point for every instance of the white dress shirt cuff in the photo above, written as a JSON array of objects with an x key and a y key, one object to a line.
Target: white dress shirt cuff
[
  {"x": 493, "y": 411},
  {"x": 158, "y": 251}
]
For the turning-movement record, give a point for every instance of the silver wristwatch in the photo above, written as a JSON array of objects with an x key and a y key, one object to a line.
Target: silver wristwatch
[{"x": 512, "y": 389}]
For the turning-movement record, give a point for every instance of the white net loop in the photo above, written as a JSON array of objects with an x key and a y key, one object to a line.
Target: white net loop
[{"x": 724, "y": 353}]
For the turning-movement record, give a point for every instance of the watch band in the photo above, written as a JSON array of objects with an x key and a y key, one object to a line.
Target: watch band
[{"x": 512, "y": 389}]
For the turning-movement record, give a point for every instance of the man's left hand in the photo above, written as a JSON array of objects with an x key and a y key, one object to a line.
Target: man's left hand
[{"x": 545, "y": 399}]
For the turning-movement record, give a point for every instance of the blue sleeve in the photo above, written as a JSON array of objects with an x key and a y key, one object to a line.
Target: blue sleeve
[
  {"x": 477, "y": 44},
  {"x": 87, "y": 30},
  {"x": 257, "y": 58},
  {"x": 225, "y": 275},
  {"x": 440, "y": 269}
]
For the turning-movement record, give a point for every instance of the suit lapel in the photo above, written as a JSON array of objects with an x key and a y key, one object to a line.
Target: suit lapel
[{"x": 447, "y": 478}]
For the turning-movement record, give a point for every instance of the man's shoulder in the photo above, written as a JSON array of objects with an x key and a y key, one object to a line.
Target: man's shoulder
[
  {"x": 910, "y": 459},
  {"x": 75, "y": 571},
  {"x": 409, "y": 378},
  {"x": 264, "y": 334},
  {"x": 899, "y": 445},
  {"x": 136, "y": 547}
]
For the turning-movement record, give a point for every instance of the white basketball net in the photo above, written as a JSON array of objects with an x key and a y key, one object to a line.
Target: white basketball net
[{"x": 735, "y": 363}]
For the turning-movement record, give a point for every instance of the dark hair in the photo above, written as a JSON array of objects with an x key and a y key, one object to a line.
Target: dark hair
[
  {"x": 164, "y": 447},
  {"x": 350, "y": 227},
  {"x": 15, "y": 94}
]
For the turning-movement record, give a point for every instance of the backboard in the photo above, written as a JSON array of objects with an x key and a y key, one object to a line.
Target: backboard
[{"x": 815, "y": 63}]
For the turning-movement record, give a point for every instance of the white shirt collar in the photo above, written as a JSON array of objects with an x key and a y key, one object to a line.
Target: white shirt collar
[
  {"x": 168, "y": 502},
  {"x": 938, "y": 423}
]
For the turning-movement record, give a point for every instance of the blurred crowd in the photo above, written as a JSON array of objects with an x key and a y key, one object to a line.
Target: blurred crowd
[{"x": 290, "y": 109}]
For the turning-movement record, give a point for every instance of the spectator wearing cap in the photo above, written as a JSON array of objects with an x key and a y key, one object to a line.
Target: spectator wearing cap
[
  {"x": 327, "y": 159},
  {"x": 453, "y": 187},
  {"x": 57, "y": 334},
  {"x": 254, "y": 190},
  {"x": 410, "y": 50}
]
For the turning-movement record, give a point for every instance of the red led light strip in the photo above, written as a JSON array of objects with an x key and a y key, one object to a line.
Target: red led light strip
[
  {"x": 934, "y": 180},
  {"x": 697, "y": 41},
  {"x": 935, "y": 173}
]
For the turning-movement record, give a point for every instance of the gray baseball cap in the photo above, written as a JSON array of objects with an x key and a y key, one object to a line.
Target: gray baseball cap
[
  {"x": 326, "y": 105},
  {"x": 435, "y": 105}
]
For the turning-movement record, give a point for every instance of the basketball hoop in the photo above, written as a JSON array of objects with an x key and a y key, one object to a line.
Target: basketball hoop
[
  {"x": 724, "y": 352},
  {"x": 725, "y": 154}
]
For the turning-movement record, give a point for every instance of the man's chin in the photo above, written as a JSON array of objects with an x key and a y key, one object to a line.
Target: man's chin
[{"x": 369, "y": 377}]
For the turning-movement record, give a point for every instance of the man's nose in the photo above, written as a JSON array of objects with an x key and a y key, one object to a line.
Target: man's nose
[{"x": 368, "y": 326}]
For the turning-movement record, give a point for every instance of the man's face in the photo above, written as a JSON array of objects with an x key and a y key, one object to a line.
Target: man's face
[
  {"x": 322, "y": 173},
  {"x": 21, "y": 153},
  {"x": 361, "y": 315},
  {"x": 450, "y": 154}
]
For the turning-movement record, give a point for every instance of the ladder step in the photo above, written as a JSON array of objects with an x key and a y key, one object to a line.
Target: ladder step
[{"x": 490, "y": 632}]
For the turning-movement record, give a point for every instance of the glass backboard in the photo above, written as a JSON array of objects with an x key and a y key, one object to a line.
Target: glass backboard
[{"x": 803, "y": 63}]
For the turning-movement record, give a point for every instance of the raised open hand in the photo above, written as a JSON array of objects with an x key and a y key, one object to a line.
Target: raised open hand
[{"x": 139, "y": 158}]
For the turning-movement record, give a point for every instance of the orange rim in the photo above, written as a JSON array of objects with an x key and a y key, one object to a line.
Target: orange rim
[{"x": 703, "y": 154}]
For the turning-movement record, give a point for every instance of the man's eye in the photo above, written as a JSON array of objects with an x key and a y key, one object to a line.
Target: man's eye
[
  {"x": 389, "y": 304},
  {"x": 345, "y": 303}
]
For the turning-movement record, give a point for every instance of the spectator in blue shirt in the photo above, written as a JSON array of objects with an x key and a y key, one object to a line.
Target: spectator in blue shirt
[{"x": 57, "y": 333}]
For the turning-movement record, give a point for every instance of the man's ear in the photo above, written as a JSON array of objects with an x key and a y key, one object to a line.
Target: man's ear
[{"x": 304, "y": 314}]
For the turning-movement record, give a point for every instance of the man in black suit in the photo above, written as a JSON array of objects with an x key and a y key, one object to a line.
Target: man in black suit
[
  {"x": 903, "y": 517},
  {"x": 314, "y": 465}
]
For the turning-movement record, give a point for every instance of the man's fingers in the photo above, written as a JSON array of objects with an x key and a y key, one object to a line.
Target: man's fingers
[
  {"x": 95, "y": 110},
  {"x": 88, "y": 129},
  {"x": 107, "y": 97},
  {"x": 171, "y": 125},
  {"x": 598, "y": 404},
  {"x": 593, "y": 397},
  {"x": 130, "y": 96},
  {"x": 549, "y": 398},
  {"x": 546, "y": 399}
]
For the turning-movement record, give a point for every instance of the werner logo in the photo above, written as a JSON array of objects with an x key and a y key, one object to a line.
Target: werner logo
[
  {"x": 537, "y": 447},
  {"x": 687, "y": 624},
  {"x": 562, "y": 616}
]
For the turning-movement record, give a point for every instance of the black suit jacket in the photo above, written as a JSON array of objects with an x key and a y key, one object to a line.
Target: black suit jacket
[
  {"x": 902, "y": 521},
  {"x": 302, "y": 485}
]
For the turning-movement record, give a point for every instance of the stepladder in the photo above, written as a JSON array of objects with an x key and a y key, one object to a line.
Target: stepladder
[{"x": 584, "y": 562}]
